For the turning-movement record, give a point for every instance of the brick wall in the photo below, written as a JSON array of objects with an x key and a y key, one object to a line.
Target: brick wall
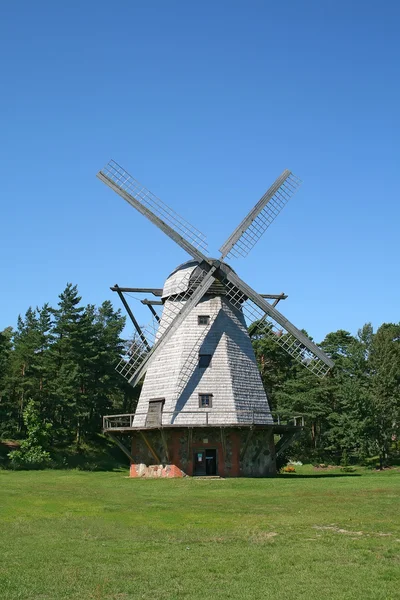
[{"x": 182, "y": 443}]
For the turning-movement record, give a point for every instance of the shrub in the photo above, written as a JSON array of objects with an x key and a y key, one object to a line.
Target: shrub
[
  {"x": 29, "y": 458},
  {"x": 32, "y": 453}
]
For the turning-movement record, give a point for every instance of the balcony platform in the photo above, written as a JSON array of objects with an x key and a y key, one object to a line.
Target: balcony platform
[{"x": 126, "y": 423}]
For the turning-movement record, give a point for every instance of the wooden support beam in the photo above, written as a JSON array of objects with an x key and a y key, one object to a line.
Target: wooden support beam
[
  {"x": 132, "y": 318},
  {"x": 153, "y": 312},
  {"x": 122, "y": 447},
  {"x": 190, "y": 443},
  {"x": 261, "y": 447},
  {"x": 281, "y": 296},
  {"x": 154, "y": 291},
  {"x": 257, "y": 454},
  {"x": 285, "y": 441},
  {"x": 152, "y": 302},
  {"x": 278, "y": 298},
  {"x": 150, "y": 447},
  {"x": 164, "y": 441},
  {"x": 223, "y": 441},
  {"x": 246, "y": 444}
]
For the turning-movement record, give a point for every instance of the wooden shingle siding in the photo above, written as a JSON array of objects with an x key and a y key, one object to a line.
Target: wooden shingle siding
[{"x": 232, "y": 378}]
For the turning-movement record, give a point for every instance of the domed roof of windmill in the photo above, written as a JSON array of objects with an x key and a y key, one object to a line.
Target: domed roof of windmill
[{"x": 187, "y": 274}]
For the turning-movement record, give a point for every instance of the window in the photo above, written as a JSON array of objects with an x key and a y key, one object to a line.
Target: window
[
  {"x": 204, "y": 361},
  {"x": 203, "y": 319},
  {"x": 205, "y": 400}
]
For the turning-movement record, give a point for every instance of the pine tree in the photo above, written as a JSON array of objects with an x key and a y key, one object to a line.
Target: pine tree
[
  {"x": 384, "y": 364},
  {"x": 64, "y": 371},
  {"x": 24, "y": 359},
  {"x": 8, "y": 414}
]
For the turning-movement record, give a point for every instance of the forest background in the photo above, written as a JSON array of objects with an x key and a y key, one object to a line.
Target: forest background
[{"x": 58, "y": 379}]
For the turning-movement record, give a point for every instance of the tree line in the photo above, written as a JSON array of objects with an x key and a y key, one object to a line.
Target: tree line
[
  {"x": 354, "y": 412},
  {"x": 57, "y": 373},
  {"x": 63, "y": 361}
]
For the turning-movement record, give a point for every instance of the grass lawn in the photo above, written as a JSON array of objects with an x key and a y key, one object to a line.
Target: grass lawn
[{"x": 83, "y": 535}]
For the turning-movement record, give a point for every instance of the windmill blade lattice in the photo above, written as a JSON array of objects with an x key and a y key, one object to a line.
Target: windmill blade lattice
[
  {"x": 301, "y": 348},
  {"x": 180, "y": 230},
  {"x": 250, "y": 230},
  {"x": 242, "y": 240}
]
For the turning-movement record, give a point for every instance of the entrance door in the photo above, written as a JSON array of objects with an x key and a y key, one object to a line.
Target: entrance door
[
  {"x": 211, "y": 462},
  {"x": 205, "y": 462},
  {"x": 153, "y": 418},
  {"x": 199, "y": 463}
]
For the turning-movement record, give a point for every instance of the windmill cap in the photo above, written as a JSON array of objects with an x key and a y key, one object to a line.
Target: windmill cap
[{"x": 178, "y": 281}]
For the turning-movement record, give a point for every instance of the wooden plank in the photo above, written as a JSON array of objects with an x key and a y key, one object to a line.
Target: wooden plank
[
  {"x": 223, "y": 441},
  {"x": 152, "y": 302},
  {"x": 150, "y": 447},
  {"x": 132, "y": 318},
  {"x": 154, "y": 291},
  {"x": 164, "y": 441},
  {"x": 154, "y": 412},
  {"x": 246, "y": 444},
  {"x": 153, "y": 312},
  {"x": 285, "y": 442},
  {"x": 190, "y": 443},
  {"x": 122, "y": 447}
]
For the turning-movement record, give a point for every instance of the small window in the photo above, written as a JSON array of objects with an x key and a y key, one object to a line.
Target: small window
[
  {"x": 203, "y": 319},
  {"x": 204, "y": 361},
  {"x": 205, "y": 400}
]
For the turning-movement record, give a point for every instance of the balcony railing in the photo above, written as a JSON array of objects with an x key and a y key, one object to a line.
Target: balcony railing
[{"x": 200, "y": 418}]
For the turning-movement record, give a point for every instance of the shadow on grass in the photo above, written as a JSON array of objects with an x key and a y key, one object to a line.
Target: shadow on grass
[
  {"x": 99, "y": 454},
  {"x": 315, "y": 475},
  {"x": 90, "y": 458}
]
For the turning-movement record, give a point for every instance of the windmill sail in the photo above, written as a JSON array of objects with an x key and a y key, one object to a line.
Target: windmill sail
[
  {"x": 247, "y": 234},
  {"x": 242, "y": 240},
  {"x": 159, "y": 213},
  {"x": 273, "y": 324}
]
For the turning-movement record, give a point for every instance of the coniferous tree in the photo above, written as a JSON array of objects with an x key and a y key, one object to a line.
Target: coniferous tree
[
  {"x": 24, "y": 360},
  {"x": 65, "y": 352},
  {"x": 8, "y": 414},
  {"x": 384, "y": 390}
]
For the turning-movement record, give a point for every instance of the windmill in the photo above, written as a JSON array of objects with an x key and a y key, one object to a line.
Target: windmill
[{"x": 203, "y": 408}]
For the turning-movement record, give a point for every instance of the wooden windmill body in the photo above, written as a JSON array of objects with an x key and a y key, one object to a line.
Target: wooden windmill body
[{"x": 202, "y": 408}]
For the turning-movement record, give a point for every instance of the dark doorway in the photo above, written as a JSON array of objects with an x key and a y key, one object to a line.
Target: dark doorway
[
  {"x": 211, "y": 462},
  {"x": 205, "y": 462}
]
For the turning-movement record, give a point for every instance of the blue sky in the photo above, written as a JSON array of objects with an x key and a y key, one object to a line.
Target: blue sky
[{"x": 205, "y": 103}]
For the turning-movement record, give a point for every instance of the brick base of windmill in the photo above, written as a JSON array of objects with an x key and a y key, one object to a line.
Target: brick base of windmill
[{"x": 244, "y": 451}]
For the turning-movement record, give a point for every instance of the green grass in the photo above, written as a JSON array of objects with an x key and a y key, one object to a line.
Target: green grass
[{"x": 101, "y": 535}]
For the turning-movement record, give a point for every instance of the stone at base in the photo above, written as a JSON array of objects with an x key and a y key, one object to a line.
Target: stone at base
[{"x": 155, "y": 471}]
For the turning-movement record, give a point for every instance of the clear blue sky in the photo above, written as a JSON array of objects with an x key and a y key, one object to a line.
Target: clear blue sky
[{"x": 205, "y": 103}]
